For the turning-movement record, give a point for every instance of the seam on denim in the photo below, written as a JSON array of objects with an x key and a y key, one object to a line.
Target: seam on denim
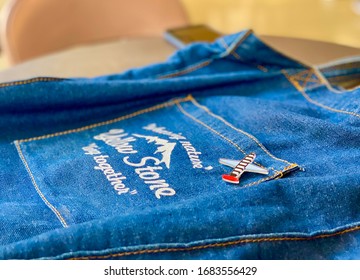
[
  {"x": 227, "y": 47},
  {"x": 262, "y": 68},
  {"x": 209, "y": 128},
  {"x": 277, "y": 175},
  {"x": 308, "y": 72},
  {"x": 300, "y": 74},
  {"x": 223, "y": 42},
  {"x": 222, "y": 136},
  {"x": 42, "y": 196},
  {"x": 325, "y": 82},
  {"x": 315, "y": 86},
  {"x": 310, "y": 100},
  {"x": 30, "y": 81},
  {"x": 259, "y": 66},
  {"x": 307, "y": 78},
  {"x": 242, "y": 39},
  {"x": 186, "y": 70},
  {"x": 219, "y": 245},
  {"x": 129, "y": 116},
  {"x": 237, "y": 56},
  {"x": 207, "y": 110},
  {"x": 205, "y": 63}
]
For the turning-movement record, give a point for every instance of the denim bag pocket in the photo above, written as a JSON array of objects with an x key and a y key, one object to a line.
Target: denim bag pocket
[{"x": 153, "y": 157}]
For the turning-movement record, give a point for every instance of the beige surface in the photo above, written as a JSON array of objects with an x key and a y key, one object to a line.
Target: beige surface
[
  {"x": 97, "y": 59},
  {"x": 32, "y": 28},
  {"x": 120, "y": 55},
  {"x": 336, "y": 21},
  {"x": 3, "y": 63}
]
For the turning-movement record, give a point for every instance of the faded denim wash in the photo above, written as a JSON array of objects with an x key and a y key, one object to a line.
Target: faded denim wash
[{"x": 126, "y": 166}]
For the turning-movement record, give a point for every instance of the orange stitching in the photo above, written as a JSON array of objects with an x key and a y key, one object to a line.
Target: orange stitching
[
  {"x": 207, "y": 62},
  {"x": 193, "y": 67},
  {"x": 277, "y": 175},
  {"x": 282, "y": 173},
  {"x": 143, "y": 111},
  {"x": 233, "y": 53},
  {"x": 252, "y": 137},
  {"x": 292, "y": 165},
  {"x": 262, "y": 68},
  {"x": 220, "y": 245},
  {"x": 300, "y": 74},
  {"x": 186, "y": 70},
  {"x": 304, "y": 76},
  {"x": 237, "y": 56},
  {"x": 308, "y": 76},
  {"x": 208, "y": 127},
  {"x": 310, "y": 100},
  {"x": 261, "y": 181},
  {"x": 34, "y": 80},
  {"x": 191, "y": 98},
  {"x": 225, "y": 45},
  {"x": 247, "y": 34},
  {"x": 306, "y": 79}
]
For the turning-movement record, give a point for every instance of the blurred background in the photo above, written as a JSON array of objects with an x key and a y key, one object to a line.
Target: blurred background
[
  {"x": 336, "y": 21},
  {"x": 325, "y": 20}
]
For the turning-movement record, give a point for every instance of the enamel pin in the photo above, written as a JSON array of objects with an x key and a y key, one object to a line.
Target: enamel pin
[
  {"x": 250, "y": 168},
  {"x": 239, "y": 169}
]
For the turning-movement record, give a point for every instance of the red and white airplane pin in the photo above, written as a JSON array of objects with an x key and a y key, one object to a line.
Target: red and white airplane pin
[{"x": 244, "y": 165}]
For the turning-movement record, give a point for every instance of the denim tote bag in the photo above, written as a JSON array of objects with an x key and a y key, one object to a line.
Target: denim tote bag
[{"x": 126, "y": 166}]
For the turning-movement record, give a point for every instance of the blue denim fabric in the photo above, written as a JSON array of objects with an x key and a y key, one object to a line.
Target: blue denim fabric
[{"x": 126, "y": 165}]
